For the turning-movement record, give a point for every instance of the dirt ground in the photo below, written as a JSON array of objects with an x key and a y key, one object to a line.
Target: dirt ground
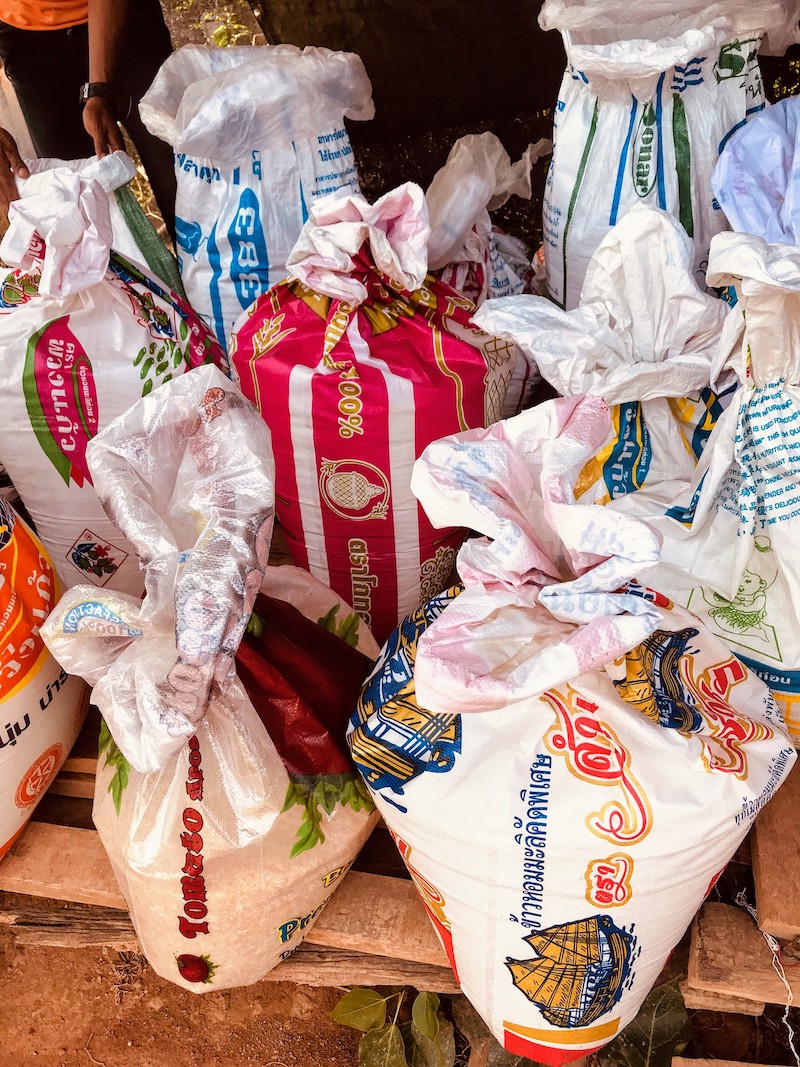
[{"x": 84, "y": 1007}]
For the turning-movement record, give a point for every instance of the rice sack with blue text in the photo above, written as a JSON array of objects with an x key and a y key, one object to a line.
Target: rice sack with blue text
[
  {"x": 730, "y": 540},
  {"x": 225, "y": 796},
  {"x": 258, "y": 136},
  {"x": 565, "y": 759}
]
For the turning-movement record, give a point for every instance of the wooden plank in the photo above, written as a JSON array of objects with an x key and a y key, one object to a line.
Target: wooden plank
[
  {"x": 681, "y": 1061},
  {"x": 729, "y": 956},
  {"x": 72, "y": 784},
  {"x": 368, "y": 913},
  {"x": 49, "y": 923},
  {"x": 64, "y": 811},
  {"x": 62, "y": 862},
  {"x": 320, "y": 966},
  {"x": 37, "y": 921},
  {"x": 380, "y": 916},
  {"x": 83, "y": 757},
  {"x": 776, "y": 860},
  {"x": 703, "y": 1000}
]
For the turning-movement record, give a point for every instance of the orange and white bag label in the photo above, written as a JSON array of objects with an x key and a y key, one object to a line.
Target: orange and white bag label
[{"x": 41, "y": 707}]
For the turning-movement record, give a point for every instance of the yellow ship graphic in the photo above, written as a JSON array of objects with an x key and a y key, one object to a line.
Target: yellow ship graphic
[
  {"x": 653, "y": 682},
  {"x": 392, "y": 738},
  {"x": 579, "y": 971}
]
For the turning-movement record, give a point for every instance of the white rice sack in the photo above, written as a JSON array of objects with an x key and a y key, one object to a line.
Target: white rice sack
[
  {"x": 652, "y": 91},
  {"x": 84, "y": 334},
  {"x": 258, "y": 136},
  {"x": 566, "y": 760}
]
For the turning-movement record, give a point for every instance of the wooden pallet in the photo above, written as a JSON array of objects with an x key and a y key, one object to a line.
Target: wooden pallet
[
  {"x": 731, "y": 966},
  {"x": 373, "y": 932}
]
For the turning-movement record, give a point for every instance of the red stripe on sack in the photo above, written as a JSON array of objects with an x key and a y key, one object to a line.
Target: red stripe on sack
[
  {"x": 532, "y": 1050},
  {"x": 449, "y": 397}
]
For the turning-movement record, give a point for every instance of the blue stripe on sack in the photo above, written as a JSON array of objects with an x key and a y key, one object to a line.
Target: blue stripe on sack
[
  {"x": 303, "y": 207},
  {"x": 685, "y": 516},
  {"x": 216, "y": 300},
  {"x": 780, "y": 681},
  {"x": 750, "y": 111},
  {"x": 662, "y": 192},
  {"x": 627, "y": 466},
  {"x": 612, "y": 219},
  {"x": 236, "y": 175}
]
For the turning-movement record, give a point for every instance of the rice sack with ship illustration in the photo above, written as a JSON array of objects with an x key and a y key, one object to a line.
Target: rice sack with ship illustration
[{"x": 565, "y": 758}]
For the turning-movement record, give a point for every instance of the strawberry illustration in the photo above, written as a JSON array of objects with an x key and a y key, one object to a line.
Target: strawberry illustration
[{"x": 196, "y": 968}]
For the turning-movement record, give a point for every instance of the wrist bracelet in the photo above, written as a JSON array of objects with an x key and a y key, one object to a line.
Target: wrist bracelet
[{"x": 112, "y": 93}]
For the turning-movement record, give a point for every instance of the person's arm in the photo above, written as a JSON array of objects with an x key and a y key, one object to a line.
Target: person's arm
[
  {"x": 107, "y": 20},
  {"x": 11, "y": 167}
]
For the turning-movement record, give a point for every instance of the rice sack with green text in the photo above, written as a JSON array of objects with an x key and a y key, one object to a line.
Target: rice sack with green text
[
  {"x": 225, "y": 797},
  {"x": 357, "y": 362},
  {"x": 84, "y": 334},
  {"x": 729, "y": 541},
  {"x": 652, "y": 91},
  {"x": 566, "y": 759}
]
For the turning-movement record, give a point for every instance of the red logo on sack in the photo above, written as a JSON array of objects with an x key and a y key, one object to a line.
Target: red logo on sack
[{"x": 38, "y": 777}]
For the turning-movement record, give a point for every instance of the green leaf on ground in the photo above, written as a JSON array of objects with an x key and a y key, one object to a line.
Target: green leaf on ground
[
  {"x": 382, "y": 1048},
  {"x": 363, "y": 1009},
  {"x": 423, "y": 1014}
]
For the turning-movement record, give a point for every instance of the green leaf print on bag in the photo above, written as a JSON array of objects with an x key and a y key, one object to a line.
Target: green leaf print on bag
[
  {"x": 114, "y": 758},
  {"x": 324, "y": 792},
  {"x": 346, "y": 628}
]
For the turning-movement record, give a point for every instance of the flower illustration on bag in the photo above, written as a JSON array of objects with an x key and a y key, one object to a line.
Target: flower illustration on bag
[
  {"x": 18, "y": 288},
  {"x": 96, "y": 558},
  {"x": 93, "y": 558}
]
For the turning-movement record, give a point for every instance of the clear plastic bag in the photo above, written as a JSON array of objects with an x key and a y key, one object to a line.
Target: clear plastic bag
[
  {"x": 756, "y": 179},
  {"x": 224, "y": 795}
]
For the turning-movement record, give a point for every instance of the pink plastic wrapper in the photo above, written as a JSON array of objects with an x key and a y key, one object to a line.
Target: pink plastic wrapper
[{"x": 357, "y": 363}]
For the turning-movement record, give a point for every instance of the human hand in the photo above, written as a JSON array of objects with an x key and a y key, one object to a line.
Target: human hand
[
  {"x": 102, "y": 127},
  {"x": 11, "y": 167}
]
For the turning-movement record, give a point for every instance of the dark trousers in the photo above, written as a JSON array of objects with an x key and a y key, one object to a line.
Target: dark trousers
[{"x": 47, "y": 69}]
